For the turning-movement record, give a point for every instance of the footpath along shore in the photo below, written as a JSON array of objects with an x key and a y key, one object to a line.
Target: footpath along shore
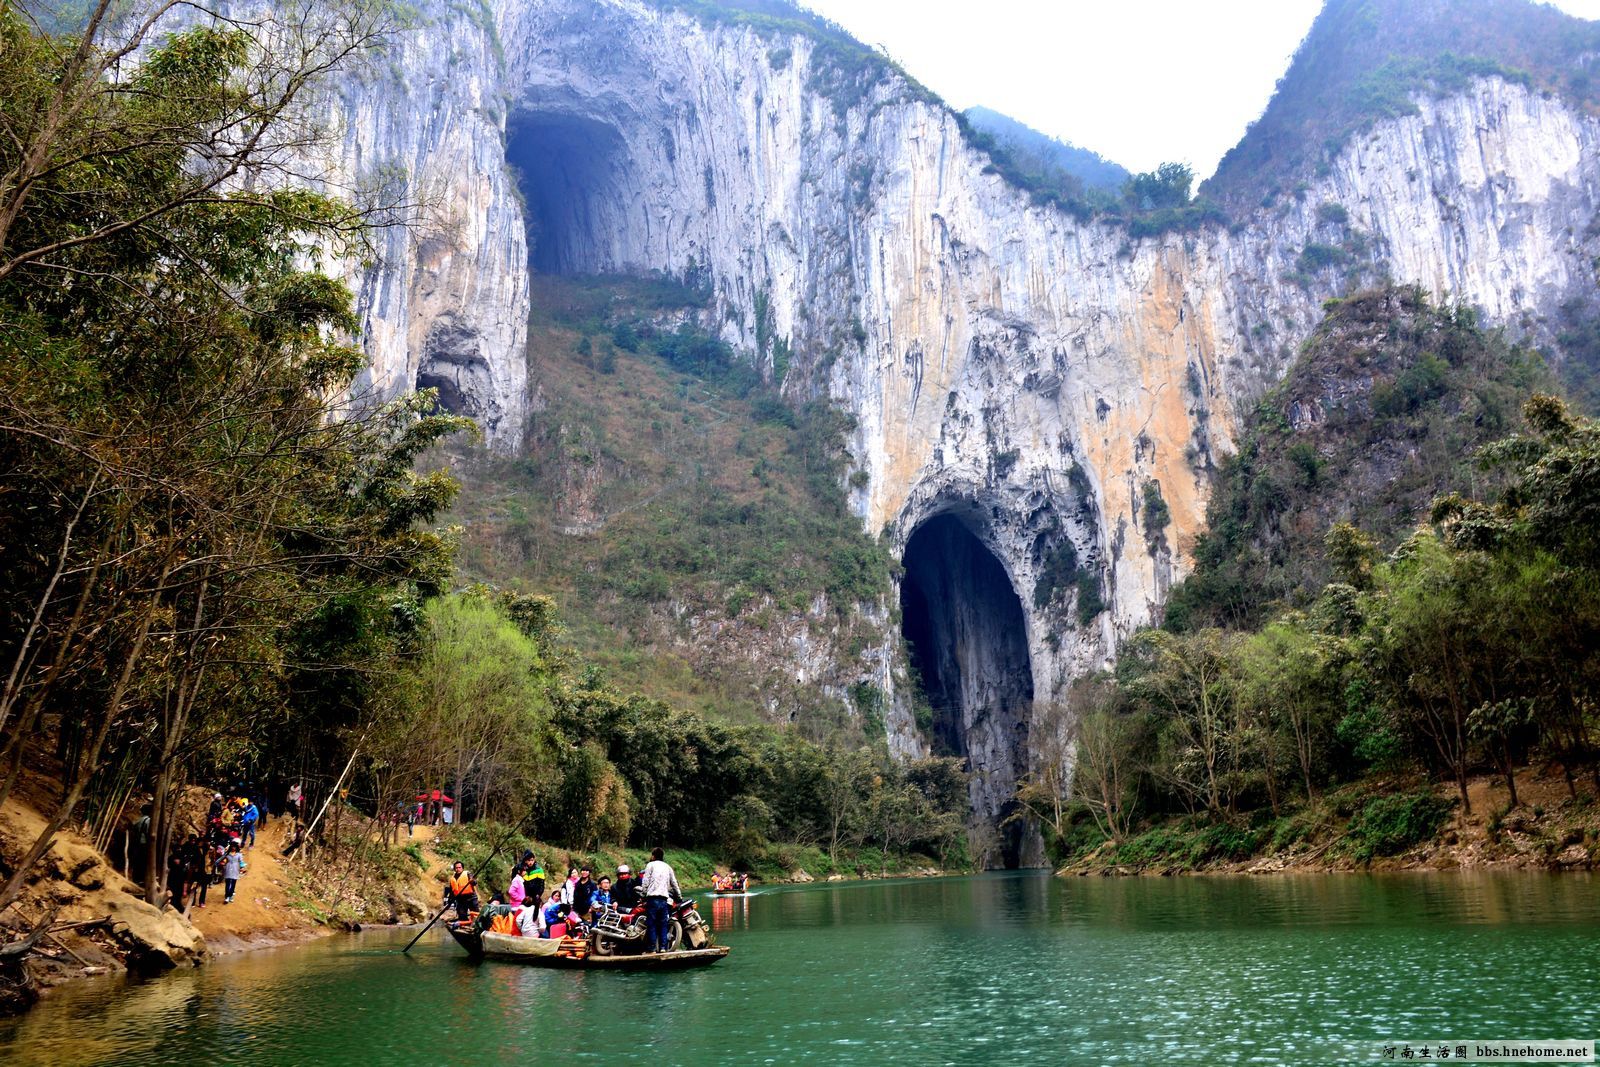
[{"x": 102, "y": 923}]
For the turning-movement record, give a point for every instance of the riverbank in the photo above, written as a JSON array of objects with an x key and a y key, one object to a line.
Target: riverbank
[
  {"x": 1388, "y": 825},
  {"x": 93, "y": 920},
  {"x": 102, "y": 925}
]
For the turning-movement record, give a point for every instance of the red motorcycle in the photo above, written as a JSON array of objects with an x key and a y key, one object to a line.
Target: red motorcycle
[{"x": 623, "y": 932}]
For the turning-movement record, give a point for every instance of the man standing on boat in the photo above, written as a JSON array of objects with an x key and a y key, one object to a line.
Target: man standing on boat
[
  {"x": 659, "y": 884},
  {"x": 463, "y": 890}
]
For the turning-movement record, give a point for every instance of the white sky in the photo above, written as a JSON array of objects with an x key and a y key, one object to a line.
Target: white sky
[{"x": 1139, "y": 81}]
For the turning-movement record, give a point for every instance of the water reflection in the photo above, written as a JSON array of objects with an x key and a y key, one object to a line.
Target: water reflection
[
  {"x": 1186, "y": 970},
  {"x": 730, "y": 913}
]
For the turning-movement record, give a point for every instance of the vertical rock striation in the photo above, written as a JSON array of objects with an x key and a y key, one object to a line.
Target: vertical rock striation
[{"x": 1044, "y": 377}]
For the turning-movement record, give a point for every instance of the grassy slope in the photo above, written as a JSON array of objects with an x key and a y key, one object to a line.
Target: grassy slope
[{"x": 642, "y": 484}]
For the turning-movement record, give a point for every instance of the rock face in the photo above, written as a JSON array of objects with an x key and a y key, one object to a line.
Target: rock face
[
  {"x": 1040, "y": 379},
  {"x": 74, "y": 877}
]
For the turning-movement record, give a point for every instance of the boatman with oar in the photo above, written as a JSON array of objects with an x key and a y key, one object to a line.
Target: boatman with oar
[{"x": 463, "y": 890}]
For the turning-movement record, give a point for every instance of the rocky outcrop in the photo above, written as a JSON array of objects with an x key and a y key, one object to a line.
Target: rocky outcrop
[
  {"x": 114, "y": 927},
  {"x": 1043, "y": 377}
]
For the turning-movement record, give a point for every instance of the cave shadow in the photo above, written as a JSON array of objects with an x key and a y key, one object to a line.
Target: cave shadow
[
  {"x": 967, "y": 634},
  {"x": 564, "y": 164}
]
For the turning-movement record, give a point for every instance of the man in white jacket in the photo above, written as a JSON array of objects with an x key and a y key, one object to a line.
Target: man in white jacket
[{"x": 659, "y": 885}]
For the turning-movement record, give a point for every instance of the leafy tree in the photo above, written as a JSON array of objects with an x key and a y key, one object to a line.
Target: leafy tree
[
  {"x": 1191, "y": 683},
  {"x": 1167, "y": 186},
  {"x": 1106, "y": 779},
  {"x": 173, "y": 387}
]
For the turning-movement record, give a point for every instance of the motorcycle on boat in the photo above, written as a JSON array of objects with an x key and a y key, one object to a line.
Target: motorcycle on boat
[{"x": 617, "y": 932}]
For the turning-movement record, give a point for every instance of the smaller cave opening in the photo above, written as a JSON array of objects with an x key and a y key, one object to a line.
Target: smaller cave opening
[
  {"x": 453, "y": 364},
  {"x": 565, "y": 165},
  {"x": 964, "y": 623},
  {"x": 451, "y": 399}
]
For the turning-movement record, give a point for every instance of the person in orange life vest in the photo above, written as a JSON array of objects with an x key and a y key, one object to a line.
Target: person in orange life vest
[{"x": 463, "y": 890}]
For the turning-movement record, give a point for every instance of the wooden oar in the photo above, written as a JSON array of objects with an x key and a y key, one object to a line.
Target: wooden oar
[
  {"x": 425, "y": 929},
  {"x": 514, "y": 832}
]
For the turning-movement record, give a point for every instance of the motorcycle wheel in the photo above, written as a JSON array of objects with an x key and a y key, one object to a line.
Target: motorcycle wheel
[
  {"x": 674, "y": 935},
  {"x": 602, "y": 945}
]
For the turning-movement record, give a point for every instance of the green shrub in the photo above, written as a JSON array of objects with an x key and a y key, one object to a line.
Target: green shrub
[
  {"x": 1157, "y": 515},
  {"x": 1387, "y": 826},
  {"x": 1317, "y": 256},
  {"x": 1091, "y": 600},
  {"x": 1058, "y": 572}
]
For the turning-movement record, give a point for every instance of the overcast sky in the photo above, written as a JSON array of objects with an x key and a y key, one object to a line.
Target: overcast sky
[{"x": 1139, "y": 81}]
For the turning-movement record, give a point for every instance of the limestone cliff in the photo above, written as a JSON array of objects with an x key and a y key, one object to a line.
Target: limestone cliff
[{"x": 1043, "y": 379}]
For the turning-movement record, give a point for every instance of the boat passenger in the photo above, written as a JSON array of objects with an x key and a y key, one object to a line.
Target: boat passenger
[
  {"x": 533, "y": 878},
  {"x": 528, "y": 921},
  {"x": 583, "y": 893},
  {"x": 555, "y": 917},
  {"x": 625, "y": 894},
  {"x": 517, "y": 892},
  {"x": 602, "y": 895},
  {"x": 659, "y": 884}
]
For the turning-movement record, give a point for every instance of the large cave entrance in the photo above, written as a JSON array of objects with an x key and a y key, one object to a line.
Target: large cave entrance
[
  {"x": 964, "y": 623},
  {"x": 566, "y": 169}
]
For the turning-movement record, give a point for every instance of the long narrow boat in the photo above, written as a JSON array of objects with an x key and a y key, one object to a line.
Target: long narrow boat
[{"x": 564, "y": 952}]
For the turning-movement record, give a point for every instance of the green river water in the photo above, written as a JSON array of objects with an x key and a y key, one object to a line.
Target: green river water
[{"x": 1002, "y": 968}]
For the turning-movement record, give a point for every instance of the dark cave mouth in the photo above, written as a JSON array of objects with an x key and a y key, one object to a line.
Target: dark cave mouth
[
  {"x": 964, "y": 624},
  {"x": 564, "y": 163}
]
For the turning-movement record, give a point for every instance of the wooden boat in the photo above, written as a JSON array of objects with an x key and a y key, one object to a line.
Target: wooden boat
[
  {"x": 683, "y": 959},
  {"x": 574, "y": 953},
  {"x": 490, "y": 945}
]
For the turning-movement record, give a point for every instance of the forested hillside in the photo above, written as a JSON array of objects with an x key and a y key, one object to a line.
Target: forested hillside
[
  {"x": 1399, "y": 591},
  {"x": 1382, "y": 411},
  {"x": 1045, "y": 153},
  {"x": 1364, "y": 60}
]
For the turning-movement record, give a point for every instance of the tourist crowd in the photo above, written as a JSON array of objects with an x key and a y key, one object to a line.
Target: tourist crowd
[{"x": 572, "y": 905}]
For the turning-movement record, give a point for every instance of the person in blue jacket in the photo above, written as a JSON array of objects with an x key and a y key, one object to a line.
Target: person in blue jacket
[{"x": 247, "y": 824}]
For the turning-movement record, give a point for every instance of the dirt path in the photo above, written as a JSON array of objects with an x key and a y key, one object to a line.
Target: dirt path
[{"x": 261, "y": 912}]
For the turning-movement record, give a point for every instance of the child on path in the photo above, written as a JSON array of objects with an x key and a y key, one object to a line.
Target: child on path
[{"x": 232, "y": 870}]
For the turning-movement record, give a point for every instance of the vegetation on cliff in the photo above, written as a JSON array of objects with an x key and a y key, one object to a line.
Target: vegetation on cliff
[
  {"x": 1311, "y": 688},
  {"x": 1366, "y": 60},
  {"x": 665, "y": 489}
]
